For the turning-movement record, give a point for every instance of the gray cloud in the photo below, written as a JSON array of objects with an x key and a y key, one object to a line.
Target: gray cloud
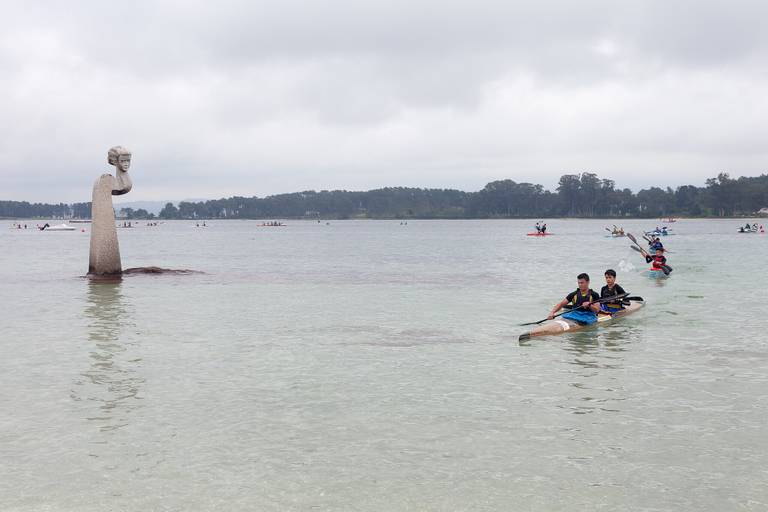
[{"x": 238, "y": 97}]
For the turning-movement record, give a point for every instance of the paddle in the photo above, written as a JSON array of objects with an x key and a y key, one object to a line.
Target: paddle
[
  {"x": 664, "y": 267},
  {"x": 600, "y": 301}
]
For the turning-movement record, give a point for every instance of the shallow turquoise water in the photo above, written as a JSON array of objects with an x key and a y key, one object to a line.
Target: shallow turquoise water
[{"x": 366, "y": 365}]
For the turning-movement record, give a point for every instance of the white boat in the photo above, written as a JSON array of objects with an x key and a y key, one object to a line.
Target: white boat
[{"x": 60, "y": 227}]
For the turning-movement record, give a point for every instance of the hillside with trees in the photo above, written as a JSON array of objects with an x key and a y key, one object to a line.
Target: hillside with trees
[{"x": 583, "y": 195}]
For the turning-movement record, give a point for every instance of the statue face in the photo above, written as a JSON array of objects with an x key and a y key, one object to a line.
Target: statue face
[{"x": 124, "y": 162}]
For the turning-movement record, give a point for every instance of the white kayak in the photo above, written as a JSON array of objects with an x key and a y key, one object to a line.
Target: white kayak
[{"x": 561, "y": 325}]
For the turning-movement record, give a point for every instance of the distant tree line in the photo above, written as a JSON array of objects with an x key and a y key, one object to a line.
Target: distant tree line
[{"x": 577, "y": 195}]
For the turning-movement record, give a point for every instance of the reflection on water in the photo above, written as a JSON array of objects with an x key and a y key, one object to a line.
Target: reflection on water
[
  {"x": 111, "y": 381},
  {"x": 596, "y": 354}
]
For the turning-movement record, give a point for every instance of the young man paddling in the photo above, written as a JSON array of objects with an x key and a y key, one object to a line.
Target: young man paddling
[
  {"x": 582, "y": 301},
  {"x": 611, "y": 289}
]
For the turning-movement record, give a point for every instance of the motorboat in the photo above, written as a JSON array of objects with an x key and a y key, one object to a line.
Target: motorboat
[{"x": 58, "y": 227}]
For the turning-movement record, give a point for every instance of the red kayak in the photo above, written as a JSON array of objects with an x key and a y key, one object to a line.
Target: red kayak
[{"x": 539, "y": 234}]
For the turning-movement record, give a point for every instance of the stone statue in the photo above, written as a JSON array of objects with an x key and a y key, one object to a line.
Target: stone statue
[{"x": 105, "y": 251}]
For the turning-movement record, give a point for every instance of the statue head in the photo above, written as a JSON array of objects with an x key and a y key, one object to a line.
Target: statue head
[{"x": 120, "y": 157}]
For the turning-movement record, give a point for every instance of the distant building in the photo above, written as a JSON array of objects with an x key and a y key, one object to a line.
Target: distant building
[{"x": 763, "y": 212}]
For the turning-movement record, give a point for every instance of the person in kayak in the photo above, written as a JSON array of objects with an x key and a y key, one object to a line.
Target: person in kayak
[
  {"x": 583, "y": 308},
  {"x": 656, "y": 260},
  {"x": 538, "y": 227},
  {"x": 544, "y": 229},
  {"x": 611, "y": 289},
  {"x": 656, "y": 244}
]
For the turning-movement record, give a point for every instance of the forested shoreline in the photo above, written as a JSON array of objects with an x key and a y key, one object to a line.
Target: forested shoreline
[{"x": 583, "y": 195}]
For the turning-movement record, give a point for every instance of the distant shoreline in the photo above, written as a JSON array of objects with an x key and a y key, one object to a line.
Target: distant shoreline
[
  {"x": 615, "y": 220},
  {"x": 580, "y": 196}
]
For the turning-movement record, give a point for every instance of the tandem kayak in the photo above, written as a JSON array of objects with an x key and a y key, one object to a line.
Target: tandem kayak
[
  {"x": 539, "y": 234},
  {"x": 561, "y": 325}
]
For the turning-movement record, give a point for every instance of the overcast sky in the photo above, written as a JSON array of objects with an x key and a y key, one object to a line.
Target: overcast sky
[{"x": 257, "y": 97}]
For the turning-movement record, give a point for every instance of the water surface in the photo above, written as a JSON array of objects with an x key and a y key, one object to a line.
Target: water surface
[{"x": 369, "y": 365}]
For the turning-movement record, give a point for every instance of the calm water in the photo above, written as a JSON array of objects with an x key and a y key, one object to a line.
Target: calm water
[{"x": 365, "y": 365}]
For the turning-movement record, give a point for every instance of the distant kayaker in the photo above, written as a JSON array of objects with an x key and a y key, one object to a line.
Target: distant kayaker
[
  {"x": 544, "y": 229},
  {"x": 656, "y": 244},
  {"x": 538, "y": 227},
  {"x": 582, "y": 301},
  {"x": 611, "y": 289}
]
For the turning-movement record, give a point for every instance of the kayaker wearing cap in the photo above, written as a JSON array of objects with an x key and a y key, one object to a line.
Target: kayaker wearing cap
[
  {"x": 656, "y": 244},
  {"x": 583, "y": 309},
  {"x": 657, "y": 260},
  {"x": 611, "y": 289}
]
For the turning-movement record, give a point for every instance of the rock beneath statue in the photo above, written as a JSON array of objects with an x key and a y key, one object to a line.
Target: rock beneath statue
[{"x": 159, "y": 270}]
